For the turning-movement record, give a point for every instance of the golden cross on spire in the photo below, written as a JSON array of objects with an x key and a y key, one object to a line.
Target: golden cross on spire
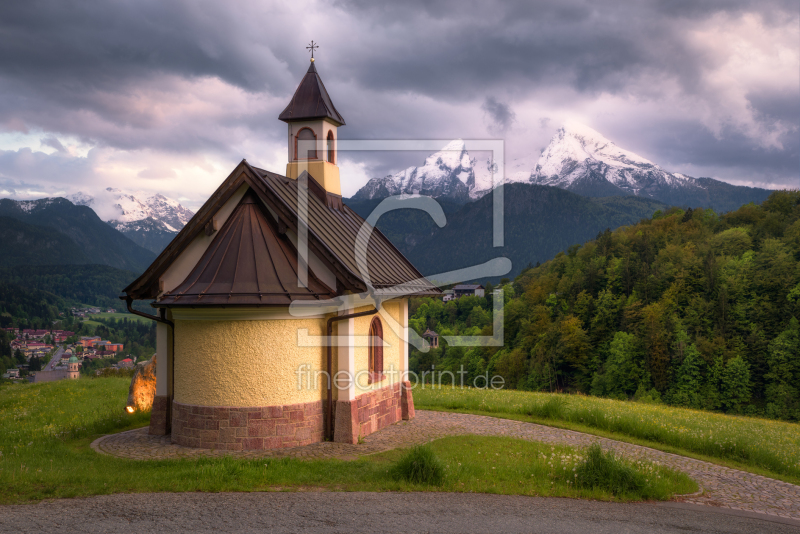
[{"x": 312, "y": 47}]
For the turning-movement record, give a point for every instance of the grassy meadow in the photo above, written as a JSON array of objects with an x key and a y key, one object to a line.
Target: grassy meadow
[
  {"x": 46, "y": 430},
  {"x": 118, "y": 316},
  {"x": 766, "y": 445}
]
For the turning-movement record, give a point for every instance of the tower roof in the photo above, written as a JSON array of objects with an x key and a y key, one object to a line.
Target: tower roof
[
  {"x": 311, "y": 101},
  {"x": 248, "y": 263},
  {"x": 73, "y": 359}
]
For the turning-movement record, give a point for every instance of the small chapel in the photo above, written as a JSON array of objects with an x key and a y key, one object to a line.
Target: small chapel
[{"x": 279, "y": 325}]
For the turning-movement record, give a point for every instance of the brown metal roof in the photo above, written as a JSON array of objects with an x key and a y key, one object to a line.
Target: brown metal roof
[
  {"x": 249, "y": 263},
  {"x": 332, "y": 237},
  {"x": 389, "y": 271},
  {"x": 311, "y": 101}
]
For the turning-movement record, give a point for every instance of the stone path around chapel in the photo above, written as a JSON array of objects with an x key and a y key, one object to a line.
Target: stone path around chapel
[{"x": 721, "y": 486}]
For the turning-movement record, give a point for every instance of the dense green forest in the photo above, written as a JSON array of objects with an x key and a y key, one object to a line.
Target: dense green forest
[
  {"x": 31, "y": 308},
  {"x": 59, "y": 219},
  {"x": 689, "y": 307},
  {"x": 97, "y": 285}
]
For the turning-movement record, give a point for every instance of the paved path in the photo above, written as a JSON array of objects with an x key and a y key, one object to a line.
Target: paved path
[
  {"x": 373, "y": 513},
  {"x": 723, "y": 487}
]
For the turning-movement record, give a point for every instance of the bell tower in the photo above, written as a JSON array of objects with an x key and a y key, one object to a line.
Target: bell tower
[
  {"x": 312, "y": 136},
  {"x": 72, "y": 368}
]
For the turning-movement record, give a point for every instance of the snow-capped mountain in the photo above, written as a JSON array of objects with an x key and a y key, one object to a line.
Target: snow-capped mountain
[
  {"x": 581, "y": 159},
  {"x": 124, "y": 207},
  {"x": 151, "y": 220},
  {"x": 450, "y": 173},
  {"x": 578, "y": 159}
]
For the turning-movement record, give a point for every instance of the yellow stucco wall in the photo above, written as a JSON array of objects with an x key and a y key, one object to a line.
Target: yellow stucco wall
[
  {"x": 244, "y": 362},
  {"x": 254, "y": 362},
  {"x": 391, "y": 348}
]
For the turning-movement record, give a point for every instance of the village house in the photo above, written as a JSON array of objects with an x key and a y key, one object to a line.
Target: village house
[
  {"x": 269, "y": 289},
  {"x": 463, "y": 290},
  {"x": 11, "y": 373},
  {"x": 34, "y": 334},
  {"x": 108, "y": 346},
  {"x": 89, "y": 341}
]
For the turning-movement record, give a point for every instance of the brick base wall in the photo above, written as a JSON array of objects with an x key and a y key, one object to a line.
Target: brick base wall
[
  {"x": 236, "y": 429},
  {"x": 159, "y": 416},
  {"x": 371, "y": 412}
]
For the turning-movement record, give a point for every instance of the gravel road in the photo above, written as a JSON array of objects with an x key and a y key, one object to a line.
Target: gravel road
[{"x": 329, "y": 513}]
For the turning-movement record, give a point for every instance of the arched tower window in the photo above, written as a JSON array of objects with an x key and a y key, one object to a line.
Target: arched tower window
[
  {"x": 305, "y": 138},
  {"x": 375, "y": 351},
  {"x": 330, "y": 147}
]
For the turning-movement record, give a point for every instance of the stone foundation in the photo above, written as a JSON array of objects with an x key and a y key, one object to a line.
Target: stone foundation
[
  {"x": 236, "y": 429},
  {"x": 159, "y": 416},
  {"x": 372, "y": 411},
  {"x": 274, "y": 427}
]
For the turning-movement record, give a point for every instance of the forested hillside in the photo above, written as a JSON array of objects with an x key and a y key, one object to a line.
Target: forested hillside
[
  {"x": 688, "y": 308},
  {"x": 538, "y": 222},
  {"x": 27, "y": 244},
  {"x": 98, "y": 285},
  {"x": 97, "y": 240}
]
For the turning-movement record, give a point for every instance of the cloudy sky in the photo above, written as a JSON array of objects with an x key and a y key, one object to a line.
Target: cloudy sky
[{"x": 168, "y": 96}]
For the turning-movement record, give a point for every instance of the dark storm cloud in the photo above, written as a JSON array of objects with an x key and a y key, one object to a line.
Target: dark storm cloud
[
  {"x": 113, "y": 73},
  {"x": 500, "y": 115},
  {"x": 457, "y": 49}
]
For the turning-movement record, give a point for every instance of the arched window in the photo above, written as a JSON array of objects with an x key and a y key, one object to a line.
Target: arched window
[
  {"x": 375, "y": 351},
  {"x": 330, "y": 147},
  {"x": 305, "y": 144}
]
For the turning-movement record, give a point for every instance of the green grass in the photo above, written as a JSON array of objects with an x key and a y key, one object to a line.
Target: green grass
[
  {"x": 46, "y": 430},
  {"x": 419, "y": 465},
  {"x": 118, "y": 315},
  {"x": 764, "y": 446}
]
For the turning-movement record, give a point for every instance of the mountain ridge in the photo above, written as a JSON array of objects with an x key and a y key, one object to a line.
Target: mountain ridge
[
  {"x": 578, "y": 159},
  {"x": 97, "y": 240},
  {"x": 151, "y": 223}
]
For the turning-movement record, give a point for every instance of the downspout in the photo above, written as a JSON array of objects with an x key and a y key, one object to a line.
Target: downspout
[
  {"x": 329, "y": 408},
  {"x": 160, "y": 318}
]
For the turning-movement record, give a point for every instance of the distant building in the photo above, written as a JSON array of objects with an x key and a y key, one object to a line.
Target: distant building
[
  {"x": 432, "y": 338},
  {"x": 463, "y": 290},
  {"x": 11, "y": 373},
  {"x": 109, "y": 346},
  {"x": 449, "y": 295},
  {"x": 73, "y": 368}
]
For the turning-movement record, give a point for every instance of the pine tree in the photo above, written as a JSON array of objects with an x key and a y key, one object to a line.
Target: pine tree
[
  {"x": 711, "y": 392},
  {"x": 735, "y": 385},
  {"x": 688, "y": 380},
  {"x": 623, "y": 372},
  {"x": 784, "y": 371}
]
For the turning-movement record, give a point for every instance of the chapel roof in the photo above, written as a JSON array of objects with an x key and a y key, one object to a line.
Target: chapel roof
[
  {"x": 311, "y": 101},
  {"x": 332, "y": 237},
  {"x": 249, "y": 262}
]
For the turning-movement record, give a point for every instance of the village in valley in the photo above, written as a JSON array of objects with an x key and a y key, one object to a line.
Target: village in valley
[{"x": 46, "y": 355}]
